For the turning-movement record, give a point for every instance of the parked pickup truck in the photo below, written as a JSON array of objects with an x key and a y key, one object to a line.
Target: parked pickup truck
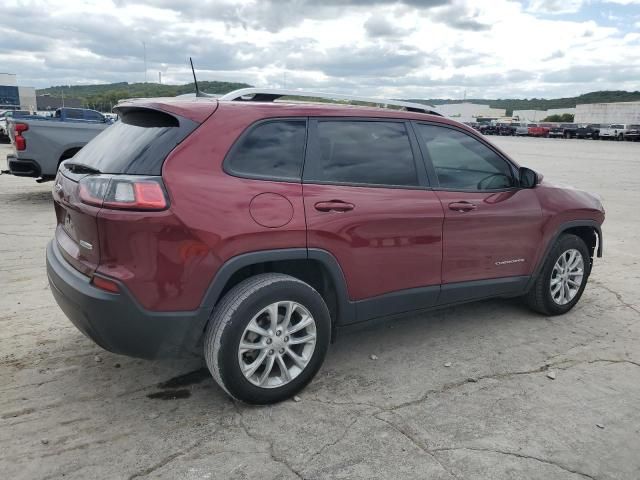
[
  {"x": 541, "y": 130},
  {"x": 615, "y": 131},
  {"x": 633, "y": 133},
  {"x": 588, "y": 131},
  {"x": 41, "y": 143}
]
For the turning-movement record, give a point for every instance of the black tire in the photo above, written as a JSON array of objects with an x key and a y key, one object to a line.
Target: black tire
[
  {"x": 539, "y": 296},
  {"x": 233, "y": 314}
]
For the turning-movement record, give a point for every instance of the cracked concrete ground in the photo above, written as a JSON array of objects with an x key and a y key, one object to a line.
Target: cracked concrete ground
[{"x": 493, "y": 414}]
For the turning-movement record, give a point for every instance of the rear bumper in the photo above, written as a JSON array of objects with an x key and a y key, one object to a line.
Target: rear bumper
[
  {"x": 23, "y": 167},
  {"x": 117, "y": 322}
]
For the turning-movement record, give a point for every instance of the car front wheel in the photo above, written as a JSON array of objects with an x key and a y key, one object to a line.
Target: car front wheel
[
  {"x": 563, "y": 278},
  {"x": 267, "y": 338}
]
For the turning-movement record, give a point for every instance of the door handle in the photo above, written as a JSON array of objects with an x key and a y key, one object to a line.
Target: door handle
[
  {"x": 462, "y": 206},
  {"x": 334, "y": 206}
]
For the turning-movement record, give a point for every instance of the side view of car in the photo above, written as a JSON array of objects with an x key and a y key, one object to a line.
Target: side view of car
[
  {"x": 41, "y": 143},
  {"x": 633, "y": 133},
  {"x": 538, "y": 130},
  {"x": 615, "y": 131},
  {"x": 588, "y": 131},
  {"x": 257, "y": 230}
]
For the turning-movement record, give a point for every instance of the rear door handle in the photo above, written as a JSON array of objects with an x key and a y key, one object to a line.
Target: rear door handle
[
  {"x": 334, "y": 206},
  {"x": 462, "y": 206}
]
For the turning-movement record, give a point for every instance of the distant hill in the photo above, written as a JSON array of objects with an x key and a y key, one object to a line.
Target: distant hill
[
  {"x": 104, "y": 96},
  {"x": 544, "y": 104}
]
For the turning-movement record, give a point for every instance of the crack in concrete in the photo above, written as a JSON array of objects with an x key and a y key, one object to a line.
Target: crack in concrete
[
  {"x": 517, "y": 455},
  {"x": 270, "y": 447},
  {"x": 417, "y": 443},
  {"x": 617, "y": 295},
  {"x": 335, "y": 442}
]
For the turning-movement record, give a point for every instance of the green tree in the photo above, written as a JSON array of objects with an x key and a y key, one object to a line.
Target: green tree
[{"x": 564, "y": 118}]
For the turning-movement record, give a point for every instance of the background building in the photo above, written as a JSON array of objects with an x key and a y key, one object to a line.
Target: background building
[
  {"x": 14, "y": 97},
  {"x": 469, "y": 112},
  {"x": 540, "y": 115},
  {"x": 622, "y": 112},
  {"x": 47, "y": 102}
]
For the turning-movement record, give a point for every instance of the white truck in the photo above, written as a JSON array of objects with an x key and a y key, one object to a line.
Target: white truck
[
  {"x": 613, "y": 131},
  {"x": 41, "y": 143}
]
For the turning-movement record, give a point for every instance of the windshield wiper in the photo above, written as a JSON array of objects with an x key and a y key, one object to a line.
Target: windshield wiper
[{"x": 81, "y": 168}]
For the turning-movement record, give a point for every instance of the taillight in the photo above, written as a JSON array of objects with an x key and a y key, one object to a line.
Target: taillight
[
  {"x": 124, "y": 192},
  {"x": 18, "y": 139}
]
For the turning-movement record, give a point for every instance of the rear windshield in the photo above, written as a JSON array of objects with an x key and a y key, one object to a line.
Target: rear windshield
[{"x": 137, "y": 144}]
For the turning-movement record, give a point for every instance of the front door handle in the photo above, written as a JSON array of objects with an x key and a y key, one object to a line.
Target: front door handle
[
  {"x": 334, "y": 206},
  {"x": 462, "y": 206}
]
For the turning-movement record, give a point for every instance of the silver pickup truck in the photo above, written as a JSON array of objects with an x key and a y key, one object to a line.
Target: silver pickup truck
[{"x": 41, "y": 143}]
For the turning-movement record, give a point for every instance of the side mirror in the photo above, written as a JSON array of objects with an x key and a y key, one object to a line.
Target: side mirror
[{"x": 529, "y": 178}]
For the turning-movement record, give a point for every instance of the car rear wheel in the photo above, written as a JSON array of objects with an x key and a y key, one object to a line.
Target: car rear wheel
[
  {"x": 563, "y": 278},
  {"x": 267, "y": 338}
]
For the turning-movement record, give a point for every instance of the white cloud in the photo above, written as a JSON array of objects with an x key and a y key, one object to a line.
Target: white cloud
[
  {"x": 409, "y": 48},
  {"x": 555, "y": 7}
]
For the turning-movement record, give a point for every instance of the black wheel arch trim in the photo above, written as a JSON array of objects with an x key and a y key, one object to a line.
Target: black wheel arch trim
[
  {"x": 346, "y": 308},
  {"x": 559, "y": 231}
]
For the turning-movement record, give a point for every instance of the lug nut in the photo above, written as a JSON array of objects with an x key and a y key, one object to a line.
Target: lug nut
[
  {"x": 286, "y": 339},
  {"x": 269, "y": 341},
  {"x": 282, "y": 350},
  {"x": 270, "y": 352},
  {"x": 278, "y": 333}
]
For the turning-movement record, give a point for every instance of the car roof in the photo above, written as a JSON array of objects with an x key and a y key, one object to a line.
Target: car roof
[{"x": 199, "y": 108}]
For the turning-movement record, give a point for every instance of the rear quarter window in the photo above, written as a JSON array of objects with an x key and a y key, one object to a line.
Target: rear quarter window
[{"x": 272, "y": 149}]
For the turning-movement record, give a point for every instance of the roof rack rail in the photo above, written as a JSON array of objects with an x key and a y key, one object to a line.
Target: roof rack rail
[{"x": 272, "y": 94}]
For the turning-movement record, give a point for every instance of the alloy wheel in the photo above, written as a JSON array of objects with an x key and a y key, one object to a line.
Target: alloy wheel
[
  {"x": 277, "y": 344},
  {"x": 566, "y": 276}
]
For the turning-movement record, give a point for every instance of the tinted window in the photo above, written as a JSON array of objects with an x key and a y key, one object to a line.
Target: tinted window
[
  {"x": 377, "y": 153},
  {"x": 74, "y": 114},
  {"x": 95, "y": 116},
  {"x": 272, "y": 149},
  {"x": 462, "y": 162},
  {"x": 137, "y": 144}
]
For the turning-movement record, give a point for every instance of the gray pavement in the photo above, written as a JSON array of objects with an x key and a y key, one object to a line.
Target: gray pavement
[{"x": 493, "y": 414}]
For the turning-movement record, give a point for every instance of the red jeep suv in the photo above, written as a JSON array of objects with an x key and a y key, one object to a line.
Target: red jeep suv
[{"x": 257, "y": 229}]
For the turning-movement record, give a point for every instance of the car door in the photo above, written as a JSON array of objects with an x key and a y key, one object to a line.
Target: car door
[
  {"x": 492, "y": 228},
  {"x": 368, "y": 204}
]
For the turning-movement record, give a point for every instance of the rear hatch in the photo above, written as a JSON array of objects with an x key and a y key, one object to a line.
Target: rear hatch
[{"x": 115, "y": 171}]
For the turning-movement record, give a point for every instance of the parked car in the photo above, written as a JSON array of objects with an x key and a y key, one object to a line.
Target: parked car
[
  {"x": 588, "y": 131},
  {"x": 507, "y": 129},
  {"x": 538, "y": 130},
  {"x": 41, "y": 143},
  {"x": 4, "y": 118},
  {"x": 488, "y": 129},
  {"x": 614, "y": 131},
  {"x": 523, "y": 129},
  {"x": 261, "y": 231},
  {"x": 633, "y": 133},
  {"x": 566, "y": 130}
]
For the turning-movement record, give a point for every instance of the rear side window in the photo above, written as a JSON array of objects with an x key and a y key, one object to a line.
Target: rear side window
[
  {"x": 363, "y": 152},
  {"x": 273, "y": 149},
  {"x": 463, "y": 163},
  {"x": 137, "y": 144}
]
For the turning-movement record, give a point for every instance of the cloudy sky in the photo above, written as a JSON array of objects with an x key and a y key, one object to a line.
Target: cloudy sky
[{"x": 391, "y": 48}]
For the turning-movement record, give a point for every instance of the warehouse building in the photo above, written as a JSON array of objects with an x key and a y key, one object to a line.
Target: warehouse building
[
  {"x": 606, "y": 113},
  {"x": 14, "y": 97},
  {"x": 469, "y": 112},
  {"x": 540, "y": 115}
]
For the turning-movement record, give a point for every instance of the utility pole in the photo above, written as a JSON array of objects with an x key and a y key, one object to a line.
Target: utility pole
[
  {"x": 160, "y": 78},
  {"x": 144, "y": 48}
]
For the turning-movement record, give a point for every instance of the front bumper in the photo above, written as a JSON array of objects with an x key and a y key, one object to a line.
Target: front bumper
[{"x": 117, "y": 322}]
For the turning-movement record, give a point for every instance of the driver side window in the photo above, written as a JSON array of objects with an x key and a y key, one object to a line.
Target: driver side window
[{"x": 462, "y": 162}]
